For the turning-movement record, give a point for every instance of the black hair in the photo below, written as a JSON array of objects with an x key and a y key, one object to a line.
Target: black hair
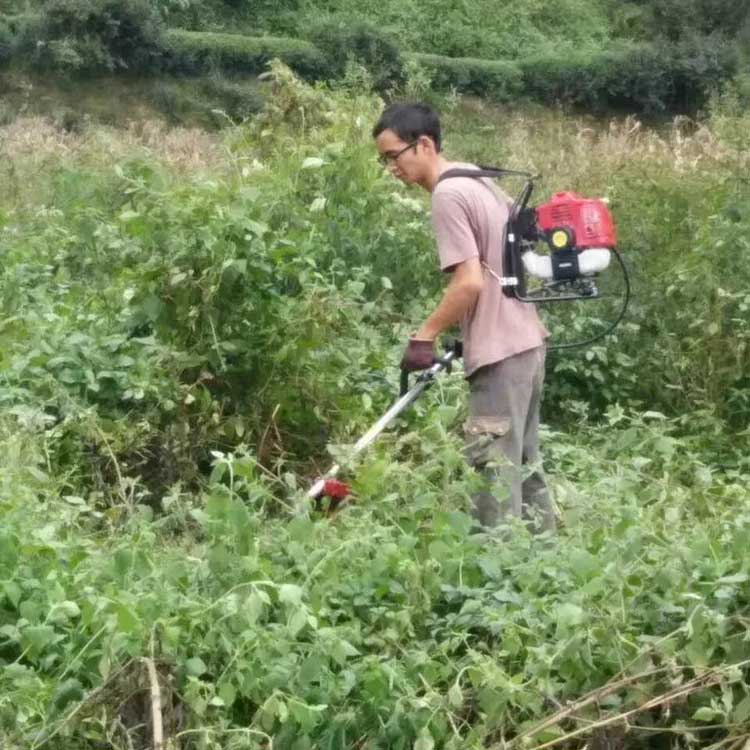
[{"x": 408, "y": 121}]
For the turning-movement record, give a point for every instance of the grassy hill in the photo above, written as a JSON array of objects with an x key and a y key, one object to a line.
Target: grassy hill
[{"x": 644, "y": 57}]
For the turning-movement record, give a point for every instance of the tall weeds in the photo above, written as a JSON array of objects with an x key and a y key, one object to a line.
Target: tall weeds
[{"x": 191, "y": 328}]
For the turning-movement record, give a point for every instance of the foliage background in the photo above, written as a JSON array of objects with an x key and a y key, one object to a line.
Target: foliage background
[
  {"x": 195, "y": 325},
  {"x": 648, "y": 56}
]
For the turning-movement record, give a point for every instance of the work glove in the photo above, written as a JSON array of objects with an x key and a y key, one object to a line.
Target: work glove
[{"x": 418, "y": 355}]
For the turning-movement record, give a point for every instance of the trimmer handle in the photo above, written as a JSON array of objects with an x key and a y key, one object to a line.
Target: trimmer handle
[
  {"x": 404, "y": 382},
  {"x": 453, "y": 350}
]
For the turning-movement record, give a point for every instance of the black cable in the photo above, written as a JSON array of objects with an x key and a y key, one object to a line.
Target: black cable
[{"x": 626, "y": 300}]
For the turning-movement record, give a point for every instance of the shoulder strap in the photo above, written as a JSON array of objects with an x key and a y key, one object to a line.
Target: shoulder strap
[
  {"x": 510, "y": 284},
  {"x": 493, "y": 172}
]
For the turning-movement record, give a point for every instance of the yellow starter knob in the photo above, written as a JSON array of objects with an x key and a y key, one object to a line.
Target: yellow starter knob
[{"x": 559, "y": 239}]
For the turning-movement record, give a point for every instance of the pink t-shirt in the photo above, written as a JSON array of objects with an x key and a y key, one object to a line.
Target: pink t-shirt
[{"x": 469, "y": 217}]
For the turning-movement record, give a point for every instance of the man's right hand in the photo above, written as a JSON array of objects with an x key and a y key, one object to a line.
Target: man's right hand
[{"x": 418, "y": 355}]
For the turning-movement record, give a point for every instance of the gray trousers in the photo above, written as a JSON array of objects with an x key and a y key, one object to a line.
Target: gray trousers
[{"x": 502, "y": 441}]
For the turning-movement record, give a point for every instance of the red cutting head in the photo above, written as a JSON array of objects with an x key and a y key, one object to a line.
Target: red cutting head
[{"x": 335, "y": 489}]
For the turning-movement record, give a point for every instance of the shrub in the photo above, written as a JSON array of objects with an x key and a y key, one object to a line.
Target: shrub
[
  {"x": 495, "y": 79},
  {"x": 6, "y": 43},
  {"x": 13, "y": 29},
  {"x": 341, "y": 41},
  {"x": 703, "y": 64},
  {"x": 645, "y": 77},
  {"x": 192, "y": 52},
  {"x": 239, "y": 100},
  {"x": 211, "y": 102},
  {"x": 677, "y": 20},
  {"x": 96, "y": 35}
]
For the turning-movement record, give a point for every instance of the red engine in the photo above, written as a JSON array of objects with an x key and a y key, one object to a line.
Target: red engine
[{"x": 587, "y": 222}]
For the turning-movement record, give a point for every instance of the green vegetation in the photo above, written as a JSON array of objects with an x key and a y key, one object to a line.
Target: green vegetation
[
  {"x": 358, "y": 42},
  {"x": 193, "y": 52},
  {"x": 497, "y": 80},
  {"x": 650, "y": 77},
  {"x": 210, "y": 101},
  {"x": 646, "y": 56},
  {"x": 90, "y": 36},
  {"x": 191, "y": 327},
  {"x": 6, "y": 43},
  {"x": 486, "y": 29},
  {"x": 389, "y": 626}
]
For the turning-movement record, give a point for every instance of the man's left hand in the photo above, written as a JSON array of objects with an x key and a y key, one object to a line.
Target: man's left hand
[{"x": 418, "y": 355}]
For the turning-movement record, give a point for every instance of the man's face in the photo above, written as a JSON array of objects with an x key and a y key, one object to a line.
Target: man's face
[{"x": 404, "y": 160}]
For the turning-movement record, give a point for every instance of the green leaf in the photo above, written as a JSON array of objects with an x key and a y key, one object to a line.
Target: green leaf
[
  {"x": 11, "y": 632},
  {"x": 706, "y": 713},
  {"x": 342, "y": 650},
  {"x": 127, "y": 622},
  {"x": 123, "y": 561},
  {"x": 741, "y": 712},
  {"x": 13, "y": 591},
  {"x": 254, "y": 606},
  {"x": 425, "y": 741},
  {"x": 455, "y": 696},
  {"x": 67, "y": 692},
  {"x": 268, "y": 713},
  {"x": 258, "y": 228},
  {"x": 196, "y": 666},
  {"x": 313, "y": 668},
  {"x": 569, "y": 614},
  {"x": 297, "y": 621},
  {"x": 65, "y": 611},
  {"x": 290, "y": 594},
  {"x": 697, "y": 653},
  {"x": 736, "y": 578},
  {"x": 37, "y": 637},
  {"x": 312, "y": 162}
]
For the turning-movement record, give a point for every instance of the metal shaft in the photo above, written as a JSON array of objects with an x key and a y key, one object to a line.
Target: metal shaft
[{"x": 424, "y": 381}]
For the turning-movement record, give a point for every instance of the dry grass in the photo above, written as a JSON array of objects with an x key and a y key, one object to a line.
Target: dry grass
[
  {"x": 183, "y": 149},
  {"x": 583, "y": 151},
  {"x": 31, "y": 147},
  {"x": 38, "y": 140}
]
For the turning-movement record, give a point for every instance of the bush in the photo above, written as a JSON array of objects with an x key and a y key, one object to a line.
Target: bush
[
  {"x": 6, "y": 43},
  {"x": 96, "y": 35},
  {"x": 495, "y": 79},
  {"x": 703, "y": 64},
  {"x": 239, "y": 100},
  {"x": 644, "y": 77},
  {"x": 193, "y": 52},
  {"x": 676, "y": 20},
  {"x": 342, "y": 41},
  {"x": 13, "y": 29},
  {"x": 211, "y": 102}
]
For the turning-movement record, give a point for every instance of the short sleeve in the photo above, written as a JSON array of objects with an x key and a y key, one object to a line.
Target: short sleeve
[{"x": 455, "y": 238}]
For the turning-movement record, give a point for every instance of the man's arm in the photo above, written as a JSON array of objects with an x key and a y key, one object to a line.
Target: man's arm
[{"x": 459, "y": 297}]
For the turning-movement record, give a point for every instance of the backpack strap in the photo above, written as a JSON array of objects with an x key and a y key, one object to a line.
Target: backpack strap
[
  {"x": 513, "y": 285},
  {"x": 493, "y": 172}
]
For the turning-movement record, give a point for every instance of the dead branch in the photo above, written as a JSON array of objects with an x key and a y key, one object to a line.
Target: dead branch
[{"x": 156, "y": 714}]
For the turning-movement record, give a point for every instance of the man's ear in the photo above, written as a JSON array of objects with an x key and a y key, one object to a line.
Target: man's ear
[{"x": 426, "y": 142}]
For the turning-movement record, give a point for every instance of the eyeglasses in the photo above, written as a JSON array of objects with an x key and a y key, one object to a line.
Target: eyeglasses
[{"x": 386, "y": 159}]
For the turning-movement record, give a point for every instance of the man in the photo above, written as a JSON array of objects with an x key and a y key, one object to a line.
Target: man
[{"x": 503, "y": 339}]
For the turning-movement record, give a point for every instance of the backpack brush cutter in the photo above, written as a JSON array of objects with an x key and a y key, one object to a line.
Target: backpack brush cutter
[{"x": 578, "y": 235}]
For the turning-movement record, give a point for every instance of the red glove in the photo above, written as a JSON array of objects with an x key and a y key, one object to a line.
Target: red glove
[{"x": 418, "y": 355}]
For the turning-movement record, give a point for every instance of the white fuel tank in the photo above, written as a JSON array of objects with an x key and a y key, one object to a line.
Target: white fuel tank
[{"x": 590, "y": 261}]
